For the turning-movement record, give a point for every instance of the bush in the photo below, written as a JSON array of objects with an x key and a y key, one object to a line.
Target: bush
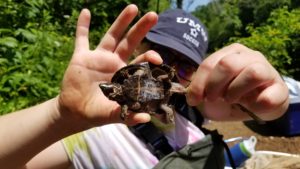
[
  {"x": 33, "y": 55},
  {"x": 278, "y": 40}
]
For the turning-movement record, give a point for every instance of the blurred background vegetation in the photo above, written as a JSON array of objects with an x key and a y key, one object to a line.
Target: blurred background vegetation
[{"x": 36, "y": 37}]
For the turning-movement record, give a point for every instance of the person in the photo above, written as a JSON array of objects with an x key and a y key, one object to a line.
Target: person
[
  {"x": 182, "y": 40},
  {"x": 233, "y": 74},
  {"x": 80, "y": 104}
]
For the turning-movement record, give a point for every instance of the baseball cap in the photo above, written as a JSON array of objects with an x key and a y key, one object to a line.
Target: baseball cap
[{"x": 182, "y": 32}]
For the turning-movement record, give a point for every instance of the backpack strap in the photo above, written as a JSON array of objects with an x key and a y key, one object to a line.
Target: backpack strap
[
  {"x": 154, "y": 139},
  {"x": 191, "y": 113}
]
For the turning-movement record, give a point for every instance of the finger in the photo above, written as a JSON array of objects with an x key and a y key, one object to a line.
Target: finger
[
  {"x": 135, "y": 35},
  {"x": 115, "y": 33},
  {"x": 133, "y": 118},
  {"x": 136, "y": 118},
  {"x": 149, "y": 56},
  {"x": 221, "y": 75},
  {"x": 196, "y": 89},
  {"x": 269, "y": 103},
  {"x": 230, "y": 67},
  {"x": 214, "y": 58},
  {"x": 215, "y": 72},
  {"x": 252, "y": 77},
  {"x": 82, "y": 30}
]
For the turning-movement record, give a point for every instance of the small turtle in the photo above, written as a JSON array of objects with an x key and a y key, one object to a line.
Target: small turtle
[{"x": 144, "y": 87}]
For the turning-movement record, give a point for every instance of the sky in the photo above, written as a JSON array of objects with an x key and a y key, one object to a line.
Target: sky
[{"x": 193, "y": 6}]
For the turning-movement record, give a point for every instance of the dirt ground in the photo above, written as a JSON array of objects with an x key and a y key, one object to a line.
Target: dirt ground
[{"x": 267, "y": 143}]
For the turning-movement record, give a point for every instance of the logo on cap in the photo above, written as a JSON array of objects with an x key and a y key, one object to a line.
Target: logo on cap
[{"x": 195, "y": 29}]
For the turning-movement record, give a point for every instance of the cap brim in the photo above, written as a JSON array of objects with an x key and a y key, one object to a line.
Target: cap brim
[{"x": 170, "y": 43}]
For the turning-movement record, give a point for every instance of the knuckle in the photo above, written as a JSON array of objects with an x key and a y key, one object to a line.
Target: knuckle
[
  {"x": 258, "y": 54},
  {"x": 256, "y": 72},
  {"x": 207, "y": 65},
  {"x": 238, "y": 46},
  {"x": 225, "y": 65}
]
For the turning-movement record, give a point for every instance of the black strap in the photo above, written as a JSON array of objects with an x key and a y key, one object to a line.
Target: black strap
[
  {"x": 189, "y": 112},
  {"x": 154, "y": 139},
  {"x": 230, "y": 158}
]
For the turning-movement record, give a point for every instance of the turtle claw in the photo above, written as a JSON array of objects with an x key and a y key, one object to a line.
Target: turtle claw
[
  {"x": 124, "y": 113},
  {"x": 169, "y": 113}
]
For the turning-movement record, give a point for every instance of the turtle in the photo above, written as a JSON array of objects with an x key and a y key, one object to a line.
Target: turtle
[{"x": 144, "y": 87}]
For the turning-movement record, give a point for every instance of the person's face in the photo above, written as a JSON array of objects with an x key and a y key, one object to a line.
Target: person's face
[{"x": 183, "y": 66}]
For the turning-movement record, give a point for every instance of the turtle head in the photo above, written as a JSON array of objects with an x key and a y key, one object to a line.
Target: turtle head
[{"x": 112, "y": 90}]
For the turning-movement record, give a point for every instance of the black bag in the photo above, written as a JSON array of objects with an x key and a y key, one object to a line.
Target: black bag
[{"x": 204, "y": 154}]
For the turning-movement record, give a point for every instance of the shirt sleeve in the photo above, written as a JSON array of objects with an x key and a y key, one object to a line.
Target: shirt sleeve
[
  {"x": 106, "y": 147},
  {"x": 78, "y": 151},
  {"x": 294, "y": 89}
]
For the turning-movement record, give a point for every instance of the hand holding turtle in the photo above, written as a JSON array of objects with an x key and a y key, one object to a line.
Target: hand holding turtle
[
  {"x": 237, "y": 75},
  {"x": 81, "y": 100}
]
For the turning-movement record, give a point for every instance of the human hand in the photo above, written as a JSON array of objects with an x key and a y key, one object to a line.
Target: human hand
[
  {"x": 238, "y": 75},
  {"x": 81, "y": 100}
]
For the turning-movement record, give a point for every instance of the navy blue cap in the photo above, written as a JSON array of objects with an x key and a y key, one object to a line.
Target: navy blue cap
[{"x": 180, "y": 31}]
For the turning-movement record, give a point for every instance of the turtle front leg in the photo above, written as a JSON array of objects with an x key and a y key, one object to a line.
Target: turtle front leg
[
  {"x": 124, "y": 112},
  {"x": 169, "y": 113}
]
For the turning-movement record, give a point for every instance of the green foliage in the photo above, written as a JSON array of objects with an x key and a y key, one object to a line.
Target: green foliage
[
  {"x": 221, "y": 20},
  {"x": 257, "y": 12},
  {"x": 278, "y": 39},
  {"x": 32, "y": 61},
  {"x": 269, "y": 26},
  {"x": 158, "y": 5}
]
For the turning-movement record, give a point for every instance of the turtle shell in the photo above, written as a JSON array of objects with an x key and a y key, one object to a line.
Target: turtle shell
[
  {"x": 141, "y": 84},
  {"x": 145, "y": 68},
  {"x": 144, "y": 87}
]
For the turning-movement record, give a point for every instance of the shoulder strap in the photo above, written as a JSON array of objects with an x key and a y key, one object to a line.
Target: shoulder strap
[
  {"x": 189, "y": 112},
  {"x": 154, "y": 139}
]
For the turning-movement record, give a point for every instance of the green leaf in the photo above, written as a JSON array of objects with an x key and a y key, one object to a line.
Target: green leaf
[
  {"x": 3, "y": 61},
  {"x": 9, "y": 42},
  {"x": 26, "y": 34}
]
